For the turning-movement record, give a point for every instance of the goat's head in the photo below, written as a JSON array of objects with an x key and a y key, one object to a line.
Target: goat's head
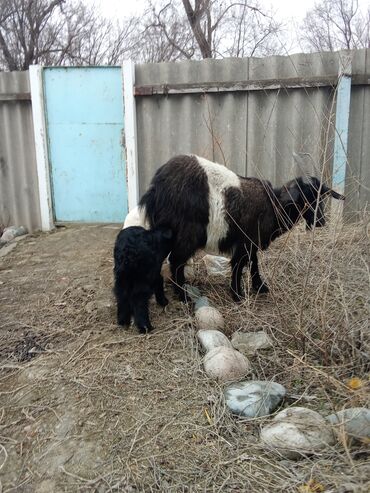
[{"x": 304, "y": 197}]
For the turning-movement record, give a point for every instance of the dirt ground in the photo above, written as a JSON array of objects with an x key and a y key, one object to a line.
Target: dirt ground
[{"x": 88, "y": 406}]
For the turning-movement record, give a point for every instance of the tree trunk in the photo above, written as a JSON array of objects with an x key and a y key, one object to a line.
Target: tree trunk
[{"x": 194, "y": 20}]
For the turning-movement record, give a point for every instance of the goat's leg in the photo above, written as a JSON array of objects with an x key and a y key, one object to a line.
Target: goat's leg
[
  {"x": 177, "y": 265},
  {"x": 189, "y": 239},
  {"x": 239, "y": 260},
  {"x": 124, "y": 310},
  {"x": 159, "y": 292},
  {"x": 141, "y": 313},
  {"x": 120, "y": 290},
  {"x": 257, "y": 283}
]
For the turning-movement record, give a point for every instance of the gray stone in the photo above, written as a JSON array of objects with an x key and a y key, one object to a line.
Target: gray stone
[
  {"x": 254, "y": 398},
  {"x": 196, "y": 296},
  {"x": 354, "y": 421},
  {"x": 249, "y": 342},
  {"x": 20, "y": 231},
  {"x": 202, "y": 301},
  {"x": 211, "y": 339},
  {"x": 193, "y": 292},
  {"x": 297, "y": 432},
  {"x": 16, "y": 230}
]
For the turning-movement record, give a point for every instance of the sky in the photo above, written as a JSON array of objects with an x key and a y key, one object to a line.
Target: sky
[
  {"x": 291, "y": 12},
  {"x": 119, "y": 8}
]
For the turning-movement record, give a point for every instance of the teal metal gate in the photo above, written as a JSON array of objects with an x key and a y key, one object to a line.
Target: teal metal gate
[{"x": 84, "y": 118}]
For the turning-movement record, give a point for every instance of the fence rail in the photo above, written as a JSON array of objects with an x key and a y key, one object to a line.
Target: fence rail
[{"x": 250, "y": 85}]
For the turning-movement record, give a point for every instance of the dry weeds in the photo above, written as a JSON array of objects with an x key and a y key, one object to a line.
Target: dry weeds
[{"x": 90, "y": 407}]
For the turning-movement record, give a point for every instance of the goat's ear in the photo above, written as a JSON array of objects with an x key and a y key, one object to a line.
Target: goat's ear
[
  {"x": 334, "y": 194},
  {"x": 289, "y": 195},
  {"x": 337, "y": 195}
]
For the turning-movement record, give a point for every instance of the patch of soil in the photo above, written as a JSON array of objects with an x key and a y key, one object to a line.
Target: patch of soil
[
  {"x": 28, "y": 348},
  {"x": 106, "y": 409}
]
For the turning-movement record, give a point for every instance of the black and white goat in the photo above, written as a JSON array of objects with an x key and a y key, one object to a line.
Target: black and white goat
[
  {"x": 207, "y": 206},
  {"x": 138, "y": 258}
]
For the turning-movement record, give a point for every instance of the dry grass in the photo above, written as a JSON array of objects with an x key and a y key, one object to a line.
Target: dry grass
[{"x": 90, "y": 407}]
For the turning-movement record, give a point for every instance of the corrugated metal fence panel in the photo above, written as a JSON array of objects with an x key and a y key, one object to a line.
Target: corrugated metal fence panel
[
  {"x": 358, "y": 167},
  {"x": 255, "y": 133},
  {"x": 19, "y": 202},
  {"x": 283, "y": 122},
  {"x": 211, "y": 125}
]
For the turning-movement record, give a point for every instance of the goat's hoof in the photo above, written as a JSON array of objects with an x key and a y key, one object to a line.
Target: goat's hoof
[
  {"x": 238, "y": 298},
  {"x": 162, "y": 301},
  {"x": 146, "y": 330},
  {"x": 263, "y": 288},
  {"x": 182, "y": 296}
]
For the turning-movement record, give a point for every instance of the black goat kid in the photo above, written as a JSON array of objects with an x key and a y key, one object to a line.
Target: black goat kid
[
  {"x": 209, "y": 207},
  {"x": 138, "y": 258}
]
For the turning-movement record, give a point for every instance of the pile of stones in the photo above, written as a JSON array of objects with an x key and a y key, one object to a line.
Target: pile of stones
[{"x": 294, "y": 431}]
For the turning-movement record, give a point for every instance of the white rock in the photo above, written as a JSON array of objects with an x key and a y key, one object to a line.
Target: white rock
[
  {"x": 8, "y": 236},
  {"x": 249, "y": 342},
  {"x": 297, "y": 431},
  {"x": 211, "y": 339},
  {"x": 217, "y": 265},
  {"x": 354, "y": 421},
  {"x": 166, "y": 271},
  {"x": 254, "y": 398},
  {"x": 208, "y": 317},
  {"x": 10, "y": 228},
  {"x": 189, "y": 271},
  {"x": 225, "y": 364}
]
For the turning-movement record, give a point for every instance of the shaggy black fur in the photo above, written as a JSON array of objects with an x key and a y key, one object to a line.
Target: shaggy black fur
[
  {"x": 178, "y": 198},
  {"x": 138, "y": 258}
]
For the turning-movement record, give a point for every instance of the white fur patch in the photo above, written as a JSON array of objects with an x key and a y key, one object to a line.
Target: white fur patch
[
  {"x": 219, "y": 178},
  {"x": 136, "y": 217}
]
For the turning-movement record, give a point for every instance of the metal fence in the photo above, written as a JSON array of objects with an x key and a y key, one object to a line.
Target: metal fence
[
  {"x": 19, "y": 202},
  {"x": 265, "y": 117}
]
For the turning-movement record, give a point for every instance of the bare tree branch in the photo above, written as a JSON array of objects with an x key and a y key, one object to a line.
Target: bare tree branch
[
  {"x": 194, "y": 17},
  {"x": 336, "y": 24}
]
